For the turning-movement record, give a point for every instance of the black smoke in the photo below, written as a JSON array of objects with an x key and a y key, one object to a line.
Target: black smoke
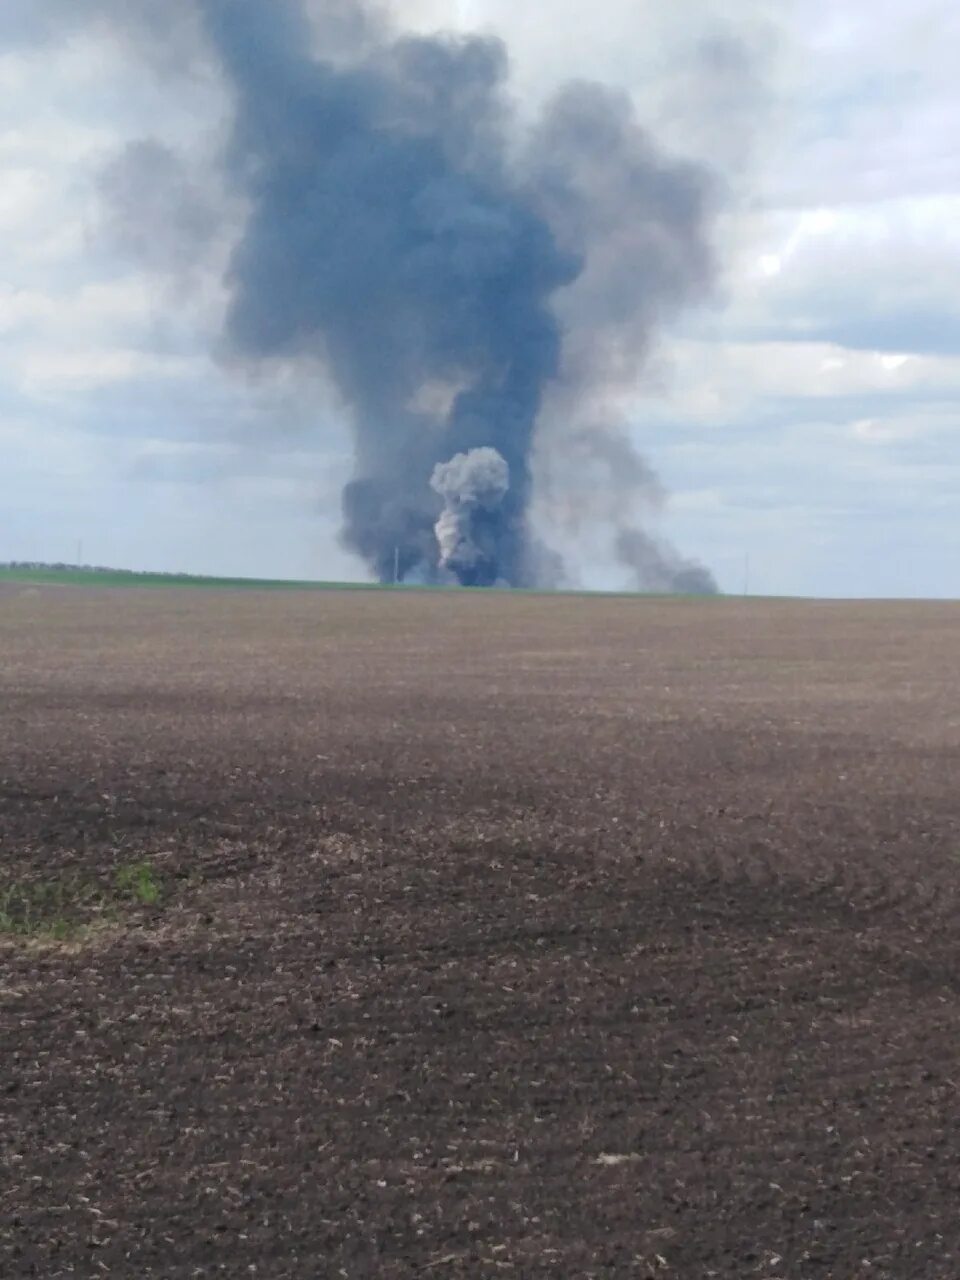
[
  {"x": 388, "y": 239},
  {"x": 452, "y": 277}
]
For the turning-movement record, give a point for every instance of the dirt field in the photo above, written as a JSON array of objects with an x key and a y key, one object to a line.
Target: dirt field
[{"x": 493, "y": 937}]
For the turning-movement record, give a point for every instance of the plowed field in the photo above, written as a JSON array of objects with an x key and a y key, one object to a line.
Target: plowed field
[{"x": 478, "y": 936}]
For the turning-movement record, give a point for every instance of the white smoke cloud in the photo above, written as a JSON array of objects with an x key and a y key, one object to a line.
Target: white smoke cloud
[{"x": 472, "y": 485}]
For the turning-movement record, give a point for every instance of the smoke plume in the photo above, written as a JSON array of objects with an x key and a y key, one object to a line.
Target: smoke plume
[
  {"x": 658, "y": 568},
  {"x": 469, "y": 530},
  {"x": 450, "y": 276}
]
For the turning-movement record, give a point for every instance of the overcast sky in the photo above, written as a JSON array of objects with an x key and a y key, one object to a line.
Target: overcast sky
[{"x": 807, "y": 420}]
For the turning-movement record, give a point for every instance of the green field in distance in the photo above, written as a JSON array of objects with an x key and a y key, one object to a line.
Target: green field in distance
[{"x": 70, "y": 575}]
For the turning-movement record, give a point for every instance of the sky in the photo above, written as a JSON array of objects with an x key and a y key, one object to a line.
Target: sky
[{"x": 805, "y": 423}]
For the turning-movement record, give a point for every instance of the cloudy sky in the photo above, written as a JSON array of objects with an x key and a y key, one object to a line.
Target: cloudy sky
[{"x": 806, "y": 422}]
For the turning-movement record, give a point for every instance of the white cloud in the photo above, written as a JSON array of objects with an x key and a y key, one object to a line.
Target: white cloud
[
  {"x": 880, "y": 274},
  {"x": 43, "y": 372},
  {"x": 712, "y": 384}
]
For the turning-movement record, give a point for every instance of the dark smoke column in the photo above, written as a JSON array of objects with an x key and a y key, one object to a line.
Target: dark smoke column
[
  {"x": 387, "y": 240},
  {"x": 395, "y": 239}
]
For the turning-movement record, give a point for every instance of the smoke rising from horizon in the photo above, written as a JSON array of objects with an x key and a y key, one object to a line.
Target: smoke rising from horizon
[
  {"x": 470, "y": 291},
  {"x": 657, "y": 568},
  {"x": 473, "y": 486}
]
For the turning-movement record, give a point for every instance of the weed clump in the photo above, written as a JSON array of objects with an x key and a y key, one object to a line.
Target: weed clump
[{"x": 65, "y": 907}]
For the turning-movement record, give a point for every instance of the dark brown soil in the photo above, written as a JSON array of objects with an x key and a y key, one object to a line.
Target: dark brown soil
[{"x": 500, "y": 937}]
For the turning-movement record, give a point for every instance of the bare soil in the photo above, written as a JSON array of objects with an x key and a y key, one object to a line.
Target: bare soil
[{"x": 500, "y": 936}]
